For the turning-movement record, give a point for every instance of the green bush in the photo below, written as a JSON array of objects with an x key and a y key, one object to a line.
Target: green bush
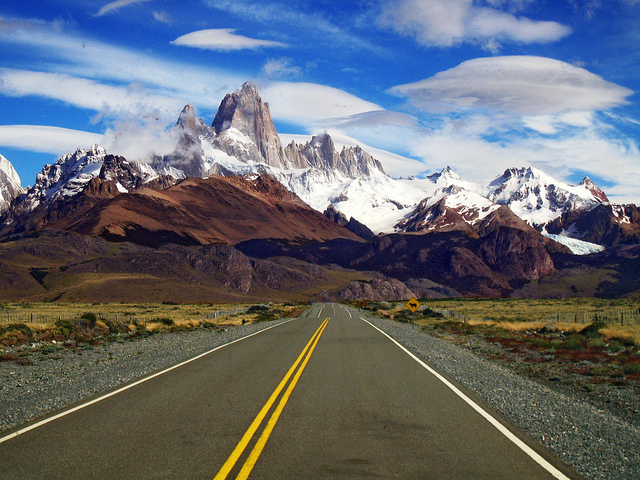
[
  {"x": 91, "y": 318},
  {"x": 257, "y": 309},
  {"x": 427, "y": 312},
  {"x": 593, "y": 329},
  {"x": 572, "y": 342},
  {"x": 632, "y": 369}
]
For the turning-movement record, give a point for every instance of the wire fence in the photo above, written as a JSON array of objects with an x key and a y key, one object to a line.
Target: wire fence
[
  {"x": 9, "y": 317},
  {"x": 224, "y": 313},
  {"x": 614, "y": 317}
]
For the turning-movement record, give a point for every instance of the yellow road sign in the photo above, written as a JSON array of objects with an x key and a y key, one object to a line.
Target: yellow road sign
[{"x": 413, "y": 305}]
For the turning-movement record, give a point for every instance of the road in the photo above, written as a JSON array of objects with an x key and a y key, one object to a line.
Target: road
[{"x": 326, "y": 396}]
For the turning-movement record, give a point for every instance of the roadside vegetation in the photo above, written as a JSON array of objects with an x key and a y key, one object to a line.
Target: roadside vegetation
[
  {"x": 518, "y": 332},
  {"x": 50, "y": 327}
]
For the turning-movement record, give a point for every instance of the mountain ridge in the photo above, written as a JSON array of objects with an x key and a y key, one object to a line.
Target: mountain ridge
[{"x": 233, "y": 183}]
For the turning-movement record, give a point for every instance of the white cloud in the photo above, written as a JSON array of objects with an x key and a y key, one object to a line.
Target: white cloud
[
  {"x": 45, "y": 139},
  {"x": 140, "y": 139},
  {"x": 117, "y": 5},
  {"x": 280, "y": 68},
  {"x": 85, "y": 93},
  {"x": 162, "y": 17},
  {"x": 523, "y": 85},
  {"x": 222, "y": 39},
  {"x": 311, "y": 104},
  {"x": 58, "y": 53},
  {"x": 445, "y": 23}
]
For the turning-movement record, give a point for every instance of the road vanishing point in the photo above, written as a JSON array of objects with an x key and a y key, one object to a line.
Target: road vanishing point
[{"x": 324, "y": 396}]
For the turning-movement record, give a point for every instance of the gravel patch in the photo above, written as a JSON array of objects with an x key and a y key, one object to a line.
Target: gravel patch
[
  {"x": 595, "y": 442},
  {"x": 58, "y": 377}
]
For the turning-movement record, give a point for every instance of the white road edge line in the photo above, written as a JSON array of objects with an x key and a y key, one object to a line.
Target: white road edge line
[
  {"x": 127, "y": 387},
  {"x": 501, "y": 428}
]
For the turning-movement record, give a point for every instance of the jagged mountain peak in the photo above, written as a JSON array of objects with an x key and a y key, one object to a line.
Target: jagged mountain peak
[
  {"x": 594, "y": 189},
  {"x": 243, "y": 113},
  {"x": 446, "y": 176},
  {"x": 187, "y": 118},
  {"x": 10, "y": 186},
  {"x": 538, "y": 198}
]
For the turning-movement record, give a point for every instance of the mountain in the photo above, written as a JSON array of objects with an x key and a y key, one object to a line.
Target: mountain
[
  {"x": 10, "y": 186},
  {"x": 539, "y": 199},
  {"x": 233, "y": 183},
  {"x": 577, "y": 215},
  {"x": 448, "y": 208}
]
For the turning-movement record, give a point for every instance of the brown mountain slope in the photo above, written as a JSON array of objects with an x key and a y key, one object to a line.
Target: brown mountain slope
[{"x": 206, "y": 211}]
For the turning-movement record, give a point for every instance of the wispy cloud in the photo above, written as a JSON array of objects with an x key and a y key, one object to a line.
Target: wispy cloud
[
  {"x": 117, "y": 5},
  {"x": 162, "y": 17},
  {"x": 117, "y": 73},
  {"x": 281, "y": 68},
  {"x": 80, "y": 92},
  {"x": 310, "y": 27},
  {"x": 45, "y": 139},
  {"x": 445, "y": 23},
  {"x": 223, "y": 39}
]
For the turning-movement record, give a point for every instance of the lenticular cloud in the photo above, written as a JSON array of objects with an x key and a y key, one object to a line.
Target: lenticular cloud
[{"x": 517, "y": 84}]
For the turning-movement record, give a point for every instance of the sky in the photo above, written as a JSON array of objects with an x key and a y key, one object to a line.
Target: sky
[{"x": 478, "y": 85}]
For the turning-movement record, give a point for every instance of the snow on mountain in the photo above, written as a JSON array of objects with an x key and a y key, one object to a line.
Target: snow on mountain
[
  {"x": 10, "y": 186},
  {"x": 65, "y": 178},
  {"x": 538, "y": 198},
  {"x": 448, "y": 207},
  {"x": 242, "y": 140}
]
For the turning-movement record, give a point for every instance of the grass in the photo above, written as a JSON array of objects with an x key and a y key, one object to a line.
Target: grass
[
  {"x": 586, "y": 355},
  {"x": 90, "y": 323}
]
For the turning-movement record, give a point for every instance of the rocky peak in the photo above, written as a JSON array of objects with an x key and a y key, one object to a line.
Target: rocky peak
[
  {"x": 446, "y": 176},
  {"x": 10, "y": 187},
  {"x": 187, "y": 118},
  {"x": 245, "y": 112},
  {"x": 594, "y": 189}
]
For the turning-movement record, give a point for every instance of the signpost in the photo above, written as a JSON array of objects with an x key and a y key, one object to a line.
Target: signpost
[{"x": 413, "y": 305}]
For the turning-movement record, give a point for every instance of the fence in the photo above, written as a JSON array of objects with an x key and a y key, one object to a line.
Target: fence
[
  {"x": 618, "y": 317},
  {"x": 7, "y": 317},
  {"x": 26, "y": 317},
  {"x": 224, "y": 313}
]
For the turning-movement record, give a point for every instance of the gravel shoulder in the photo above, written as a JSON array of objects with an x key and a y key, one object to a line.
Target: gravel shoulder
[
  {"x": 57, "y": 378},
  {"x": 595, "y": 441}
]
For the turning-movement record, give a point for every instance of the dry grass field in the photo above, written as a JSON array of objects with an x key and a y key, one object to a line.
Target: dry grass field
[{"x": 26, "y": 323}]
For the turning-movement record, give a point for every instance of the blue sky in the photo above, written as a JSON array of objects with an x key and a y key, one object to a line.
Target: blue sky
[{"x": 479, "y": 85}]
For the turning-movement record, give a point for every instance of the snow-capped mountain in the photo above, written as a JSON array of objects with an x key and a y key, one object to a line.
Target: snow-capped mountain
[
  {"x": 539, "y": 199},
  {"x": 451, "y": 207},
  {"x": 10, "y": 186},
  {"x": 242, "y": 140}
]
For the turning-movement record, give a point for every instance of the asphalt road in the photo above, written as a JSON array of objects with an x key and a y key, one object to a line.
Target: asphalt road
[{"x": 332, "y": 399}]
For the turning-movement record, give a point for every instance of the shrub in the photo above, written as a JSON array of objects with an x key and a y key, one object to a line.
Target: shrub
[
  {"x": 15, "y": 333},
  {"x": 572, "y": 342},
  {"x": 632, "y": 369},
  {"x": 257, "y": 309},
  {"x": 427, "y": 312},
  {"x": 593, "y": 329},
  {"x": 615, "y": 347},
  {"x": 91, "y": 318},
  {"x": 166, "y": 321}
]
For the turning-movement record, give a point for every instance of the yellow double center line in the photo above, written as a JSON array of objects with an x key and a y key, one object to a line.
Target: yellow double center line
[{"x": 259, "y": 446}]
